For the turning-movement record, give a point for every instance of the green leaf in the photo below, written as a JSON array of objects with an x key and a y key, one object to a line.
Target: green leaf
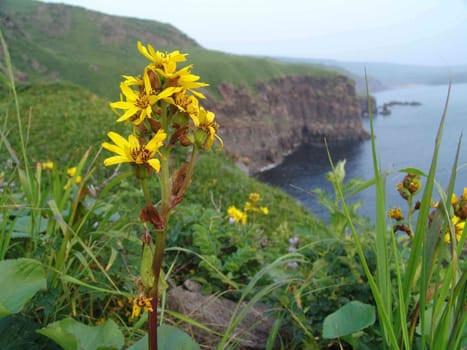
[
  {"x": 74, "y": 335},
  {"x": 169, "y": 338},
  {"x": 147, "y": 277},
  {"x": 24, "y": 278},
  {"x": 413, "y": 171},
  {"x": 349, "y": 319},
  {"x": 23, "y": 227}
]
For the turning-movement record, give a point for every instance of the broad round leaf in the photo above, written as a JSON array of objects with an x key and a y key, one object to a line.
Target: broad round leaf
[
  {"x": 350, "y": 318},
  {"x": 23, "y": 278},
  {"x": 169, "y": 338},
  {"x": 74, "y": 335}
]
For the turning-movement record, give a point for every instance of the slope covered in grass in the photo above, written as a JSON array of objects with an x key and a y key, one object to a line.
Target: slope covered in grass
[{"x": 59, "y": 42}]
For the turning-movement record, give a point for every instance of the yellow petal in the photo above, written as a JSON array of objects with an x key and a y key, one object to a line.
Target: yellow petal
[
  {"x": 156, "y": 141},
  {"x": 115, "y": 160},
  {"x": 128, "y": 114},
  {"x": 155, "y": 164},
  {"x": 113, "y": 148},
  {"x": 118, "y": 139},
  {"x": 144, "y": 51}
]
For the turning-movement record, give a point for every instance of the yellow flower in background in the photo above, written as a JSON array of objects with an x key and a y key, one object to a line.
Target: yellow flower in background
[
  {"x": 396, "y": 214},
  {"x": 254, "y": 197},
  {"x": 132, "y": 151},
  {"x": 459, "y": 225},
  {"x": 71, "y": 172},
  {"x": 236, "y": 215},
  {"x": 251, "y": 206},
  {"x": 47, "y": 165},
  {"x": 464, "y": 194},
  {"x": 209, "y": 128}
]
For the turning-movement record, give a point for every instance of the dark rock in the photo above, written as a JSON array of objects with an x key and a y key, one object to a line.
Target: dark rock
[{"x": 215, "y": 312}]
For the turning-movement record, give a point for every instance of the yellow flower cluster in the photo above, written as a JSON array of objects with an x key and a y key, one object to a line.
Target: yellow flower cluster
[
  {"x": 396, "y": 214},
  {"x": 49, "y": 165},
  {"x": 409, "y": 186},
  {"x": 251, "y": 206},
  {"x": 141, "y": 303},
  {"x": 71, "y": 172},
  {"x": 162, "y": 105},
  {"x": 459, "y": 206}
]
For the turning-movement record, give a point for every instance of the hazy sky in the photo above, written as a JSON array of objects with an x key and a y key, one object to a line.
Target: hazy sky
[{"x": 429, "y": 32}]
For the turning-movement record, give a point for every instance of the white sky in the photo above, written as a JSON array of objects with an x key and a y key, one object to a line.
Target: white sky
[{"x": 428, "y": 32}]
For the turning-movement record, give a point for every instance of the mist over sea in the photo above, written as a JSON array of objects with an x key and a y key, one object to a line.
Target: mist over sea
[{"x": 405, "y": 138}]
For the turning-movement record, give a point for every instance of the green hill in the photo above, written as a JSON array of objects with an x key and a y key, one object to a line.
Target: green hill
[{"x": 59, "y": 42}]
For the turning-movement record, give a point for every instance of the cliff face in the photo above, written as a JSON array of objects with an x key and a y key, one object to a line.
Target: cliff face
[{"x": 259, "y": 128}]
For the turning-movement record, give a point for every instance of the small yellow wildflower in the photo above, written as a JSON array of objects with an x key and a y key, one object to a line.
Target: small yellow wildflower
[
  {"x": 254, "y": 197},
  {"x": 464, "y": 195},
  {"x": 189, "y": 105},
  {"x": 264, "y": 210},
  {"x": 141, "y": 303},
  {"x": 166, "y": 61},
  {"x": 132, "y": 151},
  {"x": 47, "y": 165},
  {"x": 208, "y": 128},
  {"x": 396, "y": 214},
  {"x": 459, "y": 225},
  {"x": 236, "y": 215},
  {"x": 71, "y": 172}
]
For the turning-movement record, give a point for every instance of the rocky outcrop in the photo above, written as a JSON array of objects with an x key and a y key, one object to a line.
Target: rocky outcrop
[
  {"x": 252, "y": 331},
  {"x": 363, "y": 100},
  {"x": 260, "y": 127}
]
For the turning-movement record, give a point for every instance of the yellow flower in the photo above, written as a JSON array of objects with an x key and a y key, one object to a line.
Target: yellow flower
[
  {"x": 459, "y": 225},
  {"x": 184, "y": 79},
  {"x": 396, "y": 214},
  {"x": 166, "y": 61},
  {"x": 464, "y": 195},
  {"x": 254, "y": 197},
  {"x": 139, "y": 105},
  {"x": 189, "y": 105},
  {"x": 47, "y": 165},
  {"x": 237, "y": 215},
  {"x": 132, "y": 151},
  {"x": 209, "y": 128},
  {"x": 141, "y": 303},
  {"x": 264, "y": 210},
  {"x": 71, "y": 171}
]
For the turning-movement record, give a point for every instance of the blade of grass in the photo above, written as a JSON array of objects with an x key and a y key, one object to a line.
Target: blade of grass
[{"x": 420, "y": 231}]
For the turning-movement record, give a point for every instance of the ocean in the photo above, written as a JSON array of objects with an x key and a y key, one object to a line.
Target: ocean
[{"x": 405, "y": 138}]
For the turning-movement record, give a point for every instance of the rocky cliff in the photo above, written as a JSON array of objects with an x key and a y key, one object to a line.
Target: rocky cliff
[{"x": 260, "y": 127}]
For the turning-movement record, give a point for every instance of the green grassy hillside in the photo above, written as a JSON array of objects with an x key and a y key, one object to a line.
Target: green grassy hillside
[
  {"x": 59, "y": 42},
  {"x": 62, "y": 120}
]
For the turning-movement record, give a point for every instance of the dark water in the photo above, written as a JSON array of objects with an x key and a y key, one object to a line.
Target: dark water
[{"x": 405, "y": 138}]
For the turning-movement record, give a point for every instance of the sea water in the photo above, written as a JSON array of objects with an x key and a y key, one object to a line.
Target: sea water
[{"x": 405, "y": 138}]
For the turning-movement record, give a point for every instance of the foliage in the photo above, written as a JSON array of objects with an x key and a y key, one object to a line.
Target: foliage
[{"x": 422, "y": 303}]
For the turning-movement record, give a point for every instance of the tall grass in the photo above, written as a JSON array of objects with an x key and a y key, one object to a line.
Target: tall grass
[{"x": 420, "y": 299}]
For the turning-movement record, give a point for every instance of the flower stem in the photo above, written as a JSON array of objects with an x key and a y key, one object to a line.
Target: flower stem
[{"x": 164, "y": 179}]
